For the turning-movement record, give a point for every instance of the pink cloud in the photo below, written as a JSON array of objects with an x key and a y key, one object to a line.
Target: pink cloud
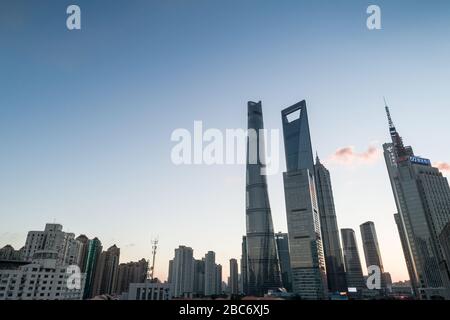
[
  {"x": 443, "y": 166},
  {"x": 348, "y": 156}
]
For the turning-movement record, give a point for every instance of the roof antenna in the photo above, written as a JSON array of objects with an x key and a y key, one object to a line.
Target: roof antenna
[{"x": 388, "y": 113}]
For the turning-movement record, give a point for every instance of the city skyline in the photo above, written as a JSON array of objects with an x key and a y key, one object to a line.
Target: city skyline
[
  {"x": 96, "y": 157},
  {"x": 359, "y": 242}
]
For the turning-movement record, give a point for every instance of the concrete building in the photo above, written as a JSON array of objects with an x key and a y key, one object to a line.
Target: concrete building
[
  {"x": 302, "y": 210},
  {"x": 353, "y": 269},
  {"x": 83, "y": 242},
  {"x": 182, "y": 277},
  {"x": 199, "y": 278},
  {"x": 210, "y": 274},
  {"x": 219, "y": 282},
  {"x": 170, "y": 273},
  {"x": 106, "y": 272},
  {"x": 233, "y": 284},
  {"x": 263, "y": 270},
  {"x": 282, "y": 241},
  {"x": 330, "y": 232},
  {"x": 131, "y": 272},
  {"x": 8, "y": 253},
  {"x": 74, "y": 252},
  {"x": 43, "y": 279},
  {"x": 149, "y": 291},
  {"x": 422, "y": 197},
  {"x": 51, "y": 239}
]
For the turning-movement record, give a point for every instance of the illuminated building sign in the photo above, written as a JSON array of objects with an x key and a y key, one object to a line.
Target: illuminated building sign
[{"x": 422, "y": 161}]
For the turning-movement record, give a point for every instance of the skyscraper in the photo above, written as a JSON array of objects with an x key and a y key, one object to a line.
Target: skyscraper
[
  {"x": 182, "y": 275},
  {"x": 218, "y": 279},
  {"x": 234, "y": 277},
  {"x": 243, "y": 279},
  {"x": 107, "y": 271},
  {"x": 305, "y": 242},
  {"x": 282, "y": 240},
  {"x": 131, "y": 272},
  {"x": 263, "y": 270},
  {"x": 406, "y": 253},
  {"x": 371, "y": 248},
  {"x": 199, "y": 277},
  {"x": 93, "y": 255},
  {"x": 422, "y": 197},
  {"x": 353, "y": 270},
  {"x": 73, "y": 252},
  {"x": 170, "y": 273},
  {"x": 330, "y": 233},
  {"x": 84, "y": 243},
  {"x": 210, "y": 274},
  {"x": 444, "y": 239}
]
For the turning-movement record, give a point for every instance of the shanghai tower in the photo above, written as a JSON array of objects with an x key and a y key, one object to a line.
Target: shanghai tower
[{"x": 263, "y": 271}]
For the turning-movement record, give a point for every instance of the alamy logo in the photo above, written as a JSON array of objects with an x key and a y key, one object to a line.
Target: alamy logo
[
  {"x": 73, "y": 281},
  {"x": 213, "y": 146},
  {"x": 73, "y": 21},
  {"x": 374, "y": 20},
  {"x": 374, "y": 277}
]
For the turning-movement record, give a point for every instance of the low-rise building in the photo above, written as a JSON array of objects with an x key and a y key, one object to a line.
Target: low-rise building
[{"x": 149, "y": 291}]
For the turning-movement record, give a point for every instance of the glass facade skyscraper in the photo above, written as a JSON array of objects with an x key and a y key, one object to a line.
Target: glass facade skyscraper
[
  {"x": 93, "y": 254},
  {"x": 330, "y": 232},
  {"x": 282, "y": 240},
  {"x": 244, "y": 282},
  {"x": 353, "y": 270},
  {"x": 371, "y": 249},
  {"x": 422, "y": 197},
  {"x": 302, "y": 210},
  {"x": 234, "y": 277},
  {"x": 263, "y": 270},
  {"x": 370, "y": 245}
]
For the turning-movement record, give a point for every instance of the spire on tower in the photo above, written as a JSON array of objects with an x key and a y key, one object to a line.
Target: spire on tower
[
  {"x": 401, "y": 151},
  {"x": 388, "y": 113}
]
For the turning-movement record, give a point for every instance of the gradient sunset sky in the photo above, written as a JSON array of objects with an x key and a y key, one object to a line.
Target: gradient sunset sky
[{"x": 86, "y": 116}]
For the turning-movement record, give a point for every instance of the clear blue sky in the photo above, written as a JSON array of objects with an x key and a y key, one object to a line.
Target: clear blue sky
[{"x": 86, "y": 116}]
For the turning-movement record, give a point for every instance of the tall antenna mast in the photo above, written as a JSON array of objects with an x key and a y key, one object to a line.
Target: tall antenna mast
[
  {"x": 388, "y": 113},
  {"x": 154, "y": 248}
]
